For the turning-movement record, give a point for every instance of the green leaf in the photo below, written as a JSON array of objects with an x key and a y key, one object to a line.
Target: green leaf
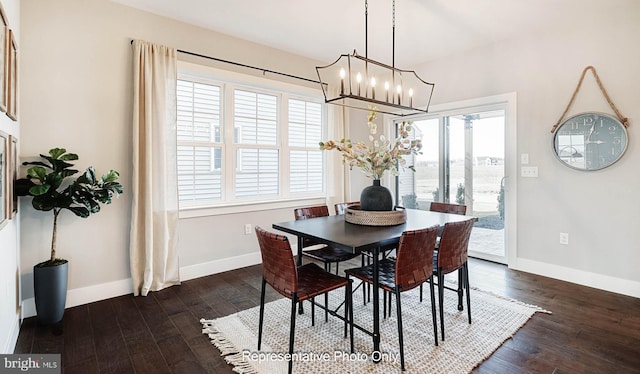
[
  {"x": 39, "y": 189},
  {"x": 37, "y": 172},
  {"x": 69, "y": 157},
  {"x": 111, "y": 176},
  {"x": 80, "y": 211},
  {"x": 56, "y": 153}
]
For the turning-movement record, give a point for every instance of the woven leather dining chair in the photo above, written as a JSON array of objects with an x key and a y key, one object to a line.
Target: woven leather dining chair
[
  {"x": 341, "y": 207},
  {"x": 412, "y": 267},
  {"x": 448, "y": 208},
  {"x": 297, "y": 283},
  {"x": 327, "y": 254},
  {"x": 452, "y": 256}
]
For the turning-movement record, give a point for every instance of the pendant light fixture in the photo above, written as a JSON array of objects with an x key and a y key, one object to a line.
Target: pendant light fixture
[{"x": 359, "y": 82}]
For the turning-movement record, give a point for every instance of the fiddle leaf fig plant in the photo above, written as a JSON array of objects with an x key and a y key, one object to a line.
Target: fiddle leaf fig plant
[{"x": 48, "y": 183}]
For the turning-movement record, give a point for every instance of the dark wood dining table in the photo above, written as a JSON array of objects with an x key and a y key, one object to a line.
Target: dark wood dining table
[{"x": 335, "y": 231}]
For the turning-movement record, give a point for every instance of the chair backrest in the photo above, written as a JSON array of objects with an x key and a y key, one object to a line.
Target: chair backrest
[
  {"x": 311, "y": 212},
  {"x": 278, "y": 266},
  {"x": 448, "y": 208},
  {"x": 414, "y": 259},
  {"x": 340, "y": 207},
  {"x": 454, "y": 243}
]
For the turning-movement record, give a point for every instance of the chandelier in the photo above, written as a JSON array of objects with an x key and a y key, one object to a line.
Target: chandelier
[{"x": 359, "y": 82}]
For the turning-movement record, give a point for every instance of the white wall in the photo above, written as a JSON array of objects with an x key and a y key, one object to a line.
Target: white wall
[
  {"x": 598, "y": 209},
  {"x": 76, "y": 91},
  {"x": 9, "y": 234}
]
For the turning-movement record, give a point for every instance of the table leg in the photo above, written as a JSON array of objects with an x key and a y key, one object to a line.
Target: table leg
[
  {"x": 376, "y": 305},
  {"x": 300, "y": 243},
  {"x": 299, "y": 263}
]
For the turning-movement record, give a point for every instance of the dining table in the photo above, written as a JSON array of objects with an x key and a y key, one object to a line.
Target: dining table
[{"x": 335, "y": 231}]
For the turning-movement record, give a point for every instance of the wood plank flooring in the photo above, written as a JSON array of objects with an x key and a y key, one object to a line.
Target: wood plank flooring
[{"x": 590, "y": 331}]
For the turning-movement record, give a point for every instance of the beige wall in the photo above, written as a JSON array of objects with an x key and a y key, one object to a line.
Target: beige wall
[
  {"x": 598, "y": 209},
  {"x": 77, "y": 94}
]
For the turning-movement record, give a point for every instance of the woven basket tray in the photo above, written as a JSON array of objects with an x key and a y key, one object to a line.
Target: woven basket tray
[{"x": 353, "y": 214}]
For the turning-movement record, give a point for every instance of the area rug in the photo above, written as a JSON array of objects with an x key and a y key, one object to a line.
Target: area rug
[{"x": 323, "y": 349}]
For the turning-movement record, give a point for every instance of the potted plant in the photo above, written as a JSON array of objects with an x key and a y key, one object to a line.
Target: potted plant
[
  {"x": 381, "y": 155},
  {"x": 52, "y": 189}
]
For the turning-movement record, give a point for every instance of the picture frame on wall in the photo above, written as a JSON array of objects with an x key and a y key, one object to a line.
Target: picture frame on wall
[
  {"x": 13, "y": 168},
  {"x": 12, "y": 84},
  {"x": 4, "y": 140},
  {"x": 4, "y": 60}
]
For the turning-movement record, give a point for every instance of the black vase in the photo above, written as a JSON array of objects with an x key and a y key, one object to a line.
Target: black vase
[
  {"x": 50, "y": 286},
  {"x": 376, "y": 198}
]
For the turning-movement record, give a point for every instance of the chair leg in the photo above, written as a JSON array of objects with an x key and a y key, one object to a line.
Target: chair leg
[
  {"x": 337, "y": 270},
  {"x": 384, "y": 304},
  {"x": 262, "y": 292},
  {"x": 441, "y": 300},
  {"x": 433, "y": 310},
  {"x": 351, "y": 313},
  {"x": 420, "y": 292},
  {"x": 466, "y": 281},
  {"x": 346, "y": 306},
  {"x": 313, "y": 311},
  {"x": 400, "y": 337},
  {"x": 364, "y": 286},
  {"x": 368, "y": 284},
  {"x": 292, "y": 329},
  {"x": 460, "y": 288},
  {"x": 326, "y": 307}
]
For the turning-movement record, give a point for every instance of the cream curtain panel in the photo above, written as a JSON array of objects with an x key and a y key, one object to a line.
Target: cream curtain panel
[{"x": 154, "y": 215}]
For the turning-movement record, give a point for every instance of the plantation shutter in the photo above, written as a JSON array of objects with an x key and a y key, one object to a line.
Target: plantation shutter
[
  {"x": 305, "y": 159},
  {"x": 255, "y": 123},
  {"x": 199, "y": 153}
]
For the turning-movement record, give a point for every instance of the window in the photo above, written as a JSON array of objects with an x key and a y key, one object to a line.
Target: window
[
  {"x": 305, "y": 132},
  {"x": 240, "y": 143}
]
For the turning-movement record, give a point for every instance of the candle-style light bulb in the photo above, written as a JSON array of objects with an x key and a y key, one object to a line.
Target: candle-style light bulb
[
  {"x": 373, "y": 87},
  {"x": 386, "y": 91},
  {"x": 411, "y": 97},
  {"x": 399, "y": 91},
  {"x": 359, "y": 79},
  {"x": 342, "y": 74}
]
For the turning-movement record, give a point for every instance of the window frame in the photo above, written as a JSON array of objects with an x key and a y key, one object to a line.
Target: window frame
[{"x": 228, "y": 82}]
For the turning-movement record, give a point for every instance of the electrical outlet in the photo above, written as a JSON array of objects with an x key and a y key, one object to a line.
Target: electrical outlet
[
  {"x": 564, "y": 238},
  {"x": 529, "y": 171},
  {"x": 247, "y": 229}
]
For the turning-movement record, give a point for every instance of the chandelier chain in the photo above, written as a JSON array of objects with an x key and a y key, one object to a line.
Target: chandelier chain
[{"x": 394, "y": 14}]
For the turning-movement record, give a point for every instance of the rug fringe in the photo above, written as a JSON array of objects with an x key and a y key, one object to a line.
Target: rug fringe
[{"x": 228, "y": 351}]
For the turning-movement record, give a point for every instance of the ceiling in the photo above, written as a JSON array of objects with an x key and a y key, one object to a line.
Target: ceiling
[{"x": 425, "y": 29}]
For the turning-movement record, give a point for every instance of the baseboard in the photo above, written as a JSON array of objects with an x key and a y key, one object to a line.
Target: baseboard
[
  {"x": 219, "y": 266},
  {"x": 584, "y": 278},
  {"x": 85, "y": 295},
  {"x": 9, "y": 345}
]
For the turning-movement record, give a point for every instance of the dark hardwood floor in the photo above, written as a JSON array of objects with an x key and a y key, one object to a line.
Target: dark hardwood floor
[{"x": 590, "y": 331}]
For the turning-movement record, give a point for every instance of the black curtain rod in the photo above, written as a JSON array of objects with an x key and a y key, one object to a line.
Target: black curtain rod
[{"x": 246, "y": 66}]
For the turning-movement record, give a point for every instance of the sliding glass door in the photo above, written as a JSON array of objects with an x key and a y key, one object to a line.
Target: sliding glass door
[{"x": 463, "y": 162}]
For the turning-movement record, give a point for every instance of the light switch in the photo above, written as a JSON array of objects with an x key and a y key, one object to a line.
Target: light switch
[{"x": 524, "y": 158}]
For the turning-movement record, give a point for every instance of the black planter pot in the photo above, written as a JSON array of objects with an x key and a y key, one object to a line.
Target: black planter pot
[
  {"x": 50, "y": 287},
  {"x": 376, "y": 198}
]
